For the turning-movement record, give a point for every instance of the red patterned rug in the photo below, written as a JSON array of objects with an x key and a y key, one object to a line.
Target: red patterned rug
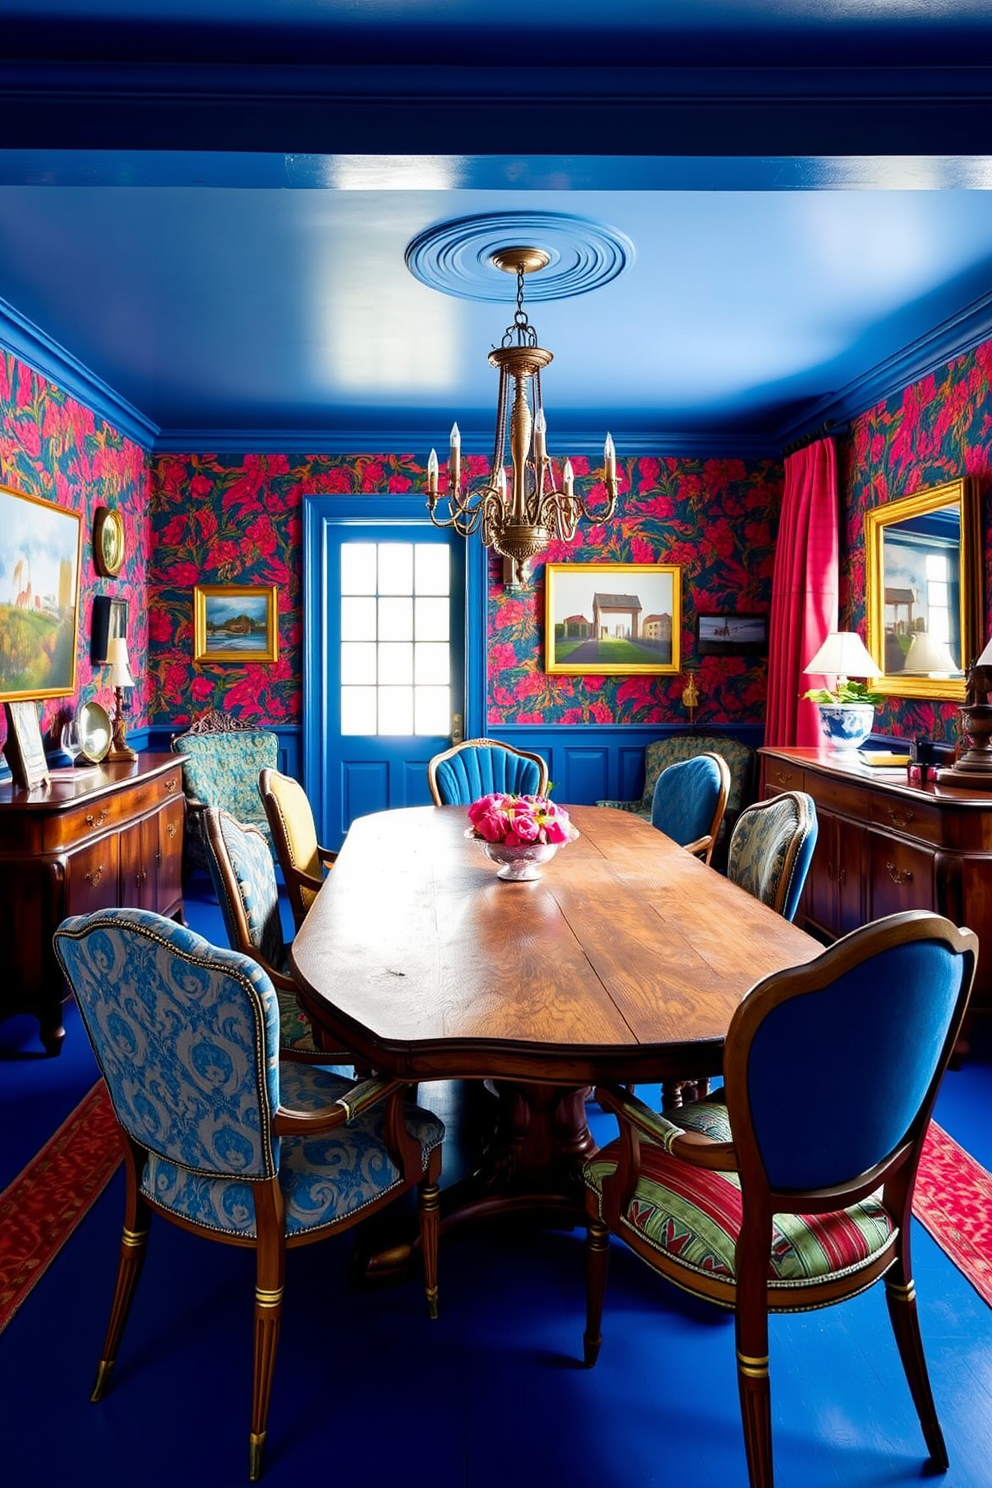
[
  {"x": 43, "y": 1205},
  {"x": 45, "y": 1202}
]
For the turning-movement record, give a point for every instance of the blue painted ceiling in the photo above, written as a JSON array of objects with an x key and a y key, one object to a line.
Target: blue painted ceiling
[{"x": 205, "y": 207}]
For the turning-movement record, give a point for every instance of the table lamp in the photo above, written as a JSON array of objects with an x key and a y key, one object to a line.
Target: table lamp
[
  {"x": 847, "y": 710},
  {"x": 931, "y": 657},
  {"x": 120, "y": 677}
]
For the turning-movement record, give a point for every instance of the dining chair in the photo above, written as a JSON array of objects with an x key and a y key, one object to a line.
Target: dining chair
[
  {"x": 786, "y": 1194},
  {"x": 478, "y": 767},
  {"x": 222, "y": 758},
  {"x": 689, "y": 802},
  {"x": 294, "y": 835},
  {"x": 771, "y": 848},
  {"x": 244, "y": 880},
  {"x": 220, "y": 1136}
]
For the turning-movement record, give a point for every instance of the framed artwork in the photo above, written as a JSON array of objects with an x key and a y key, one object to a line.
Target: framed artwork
[
  {"x": 612, "y": 619},
  {"x": 235, "y": 622},
  {"x": 109, "y": 623},
  {"x": 731, "y": 634},
  {"x": 39, "y": 597},
  {"x": 24, "y": 748},
  {"x": 923, "y": 590},
  {"x": 108, "y": 541}
]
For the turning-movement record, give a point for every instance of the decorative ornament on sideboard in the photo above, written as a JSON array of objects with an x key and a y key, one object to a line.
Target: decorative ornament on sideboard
[
  {"x": 847, "y": 710},
  {"x": 973, "y": 767},
  {"x": 520, "y": 520}
]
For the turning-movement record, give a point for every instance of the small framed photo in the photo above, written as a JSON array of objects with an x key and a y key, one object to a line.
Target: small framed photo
[
  {"x": 731, "y": 634},
  {"x": 612, "y": 619},
  {"x": 109, "y": 623},
  {"x": 235, "y": 622},
  {"x": 24, "y": 748}
]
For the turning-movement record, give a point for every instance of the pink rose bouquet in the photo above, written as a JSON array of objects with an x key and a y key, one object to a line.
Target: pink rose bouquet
[{"x": 519, "y": 821}]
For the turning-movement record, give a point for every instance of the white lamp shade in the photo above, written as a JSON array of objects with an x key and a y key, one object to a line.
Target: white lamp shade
[
  {"x": 986, "y": 657},
  {"x": 120, "y": 671},
  {"x": 927, "y": 654},
  {"x": 843, "y": 654}
]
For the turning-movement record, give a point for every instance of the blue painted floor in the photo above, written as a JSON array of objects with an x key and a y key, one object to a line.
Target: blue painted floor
[{"x": 368, "y": 1389}]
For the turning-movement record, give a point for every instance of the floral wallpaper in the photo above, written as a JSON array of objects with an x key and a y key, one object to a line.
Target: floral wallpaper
[
  {"x": 52, "y": 446},
  {"x": 715, "y": 518},
  {"x": 938, "y": 429}
]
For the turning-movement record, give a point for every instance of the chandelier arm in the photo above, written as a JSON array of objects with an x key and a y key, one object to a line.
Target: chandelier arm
[{"x": 499, "y": 438}]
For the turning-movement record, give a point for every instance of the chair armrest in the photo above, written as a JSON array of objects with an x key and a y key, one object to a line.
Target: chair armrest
[
  {"x": 287, "y": 1122},
  {"x": 327, "y": 856},
  {"x": 700, "y": 847},
  {"x": 690, "y": 1146}
]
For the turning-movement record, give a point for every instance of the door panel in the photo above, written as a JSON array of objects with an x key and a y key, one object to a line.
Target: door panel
[{"x": 389, "y": 666}]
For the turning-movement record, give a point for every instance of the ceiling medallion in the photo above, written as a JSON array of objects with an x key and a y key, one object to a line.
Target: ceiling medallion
[{"x": 521, "y": 520}]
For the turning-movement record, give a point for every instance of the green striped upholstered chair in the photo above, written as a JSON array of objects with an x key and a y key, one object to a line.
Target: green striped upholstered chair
[
  {"x": 795, "y": 1190},
  {"x": 221, "y": 1136}
]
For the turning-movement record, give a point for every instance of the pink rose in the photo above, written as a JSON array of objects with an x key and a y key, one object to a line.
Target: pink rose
[{"x": 526, "y": 826}]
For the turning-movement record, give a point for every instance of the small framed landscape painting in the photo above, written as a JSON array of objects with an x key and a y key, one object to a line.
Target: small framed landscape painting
[
  {"x": 235, "y": 622},
  {"x": 612, "y": 619},
  {"x": 731, "y": 634},
  {"x": 39, "y": 597}
]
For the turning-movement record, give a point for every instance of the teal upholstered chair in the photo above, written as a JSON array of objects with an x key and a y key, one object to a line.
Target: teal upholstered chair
[
  {"x": 689, "y": 802},
  {"x": 771, "y": 848},
  {"x": 797, "y": 1191},
  {"x": 478, "y": 767},
  {"x": 674, "y": 748},
  {"x": 220, "y": 1136},
  {"x": 244, "y": 880},
  {"x": 222, "y": 760}
]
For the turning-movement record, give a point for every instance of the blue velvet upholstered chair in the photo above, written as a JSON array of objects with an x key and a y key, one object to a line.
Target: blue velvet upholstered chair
[
  {"x": 796, "y": 1191},
  {"x": 477, "y": 767},
  {"x": 689, "y": 801},
  {"x": 244, "y": 879},
  {"x": 222, "y": 760},
  {"x": 771, "y": 848},
  {"x": 219, "y": 1135},
  {"x": 661, "y": 754}
]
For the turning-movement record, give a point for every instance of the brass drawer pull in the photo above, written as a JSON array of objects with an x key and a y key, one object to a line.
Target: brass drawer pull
[
  {"x": 172, "y": 828},
  {"x": 899, "y": 817},
  {"x": 94, "y": 877},
  {"x": 899, "y": 875},
  {"x": 842, "y": 875},
  {"x": 97, "y": 821},
  {"x": 784, "y": 777},
  {"x": 170, "y": 785}
]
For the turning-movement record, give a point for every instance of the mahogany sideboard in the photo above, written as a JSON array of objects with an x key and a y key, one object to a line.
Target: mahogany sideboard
[
  {"x": 885, "y": 845},
  {"x": 91, "y": 839}
]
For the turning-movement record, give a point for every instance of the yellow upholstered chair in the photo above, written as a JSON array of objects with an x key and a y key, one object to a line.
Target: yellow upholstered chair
[{"x": 294, "y": 835}]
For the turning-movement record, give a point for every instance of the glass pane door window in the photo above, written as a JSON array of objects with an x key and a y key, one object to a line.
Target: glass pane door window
[{"x": 395, "y": 638}]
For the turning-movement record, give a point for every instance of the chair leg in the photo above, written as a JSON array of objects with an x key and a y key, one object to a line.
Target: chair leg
[
  {"x": 597, "y": 1266},
  {"x": 134, "y": 1245},
  {"x": 754, "y": 1388},
  {"x": 900, "y": 1297},
  {"x": 270, "y": 1278},
  {"x": 430, "y": 1230}
]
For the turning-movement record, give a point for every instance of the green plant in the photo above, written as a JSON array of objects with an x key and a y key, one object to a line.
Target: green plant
[{"x": 844, "y": 692}]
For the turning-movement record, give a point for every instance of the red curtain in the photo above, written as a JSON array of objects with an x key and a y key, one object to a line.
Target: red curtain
[{"x": 804, "y": 590}]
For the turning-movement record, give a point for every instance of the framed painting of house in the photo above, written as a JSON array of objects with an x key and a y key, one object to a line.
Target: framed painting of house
[
  {"x": 612, "y": 619},
  {"x": 39, "y": 597},
  {"x": 923, "y": 590},
  {"x": 235, "y": 622}
]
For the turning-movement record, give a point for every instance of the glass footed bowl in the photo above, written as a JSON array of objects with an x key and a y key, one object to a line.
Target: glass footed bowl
[{"x": 519, "y": 864}]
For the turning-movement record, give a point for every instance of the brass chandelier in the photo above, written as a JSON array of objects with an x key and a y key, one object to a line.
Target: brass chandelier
[{"x": 520, "y": 521}]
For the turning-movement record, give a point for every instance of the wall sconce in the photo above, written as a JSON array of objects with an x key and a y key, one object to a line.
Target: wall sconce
[
  {"x": 120, "y": 677},
  {"x": 690, "y": 697}
]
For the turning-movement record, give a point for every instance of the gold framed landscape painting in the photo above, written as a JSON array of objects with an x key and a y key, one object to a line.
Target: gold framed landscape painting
[
  {"x": 612, "y": 619},
  {"x": 235, "y": 622},
  {"x": 39, "y": 597}
]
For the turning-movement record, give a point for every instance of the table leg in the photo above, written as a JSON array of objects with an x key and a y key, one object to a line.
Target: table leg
[{"x": 531, "y": 1168}]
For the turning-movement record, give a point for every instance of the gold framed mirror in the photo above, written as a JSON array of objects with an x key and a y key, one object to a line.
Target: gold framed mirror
[{"x": 923, "y": 590}]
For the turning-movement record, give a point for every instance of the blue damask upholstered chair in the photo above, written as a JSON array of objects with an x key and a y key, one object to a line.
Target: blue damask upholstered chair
[
  {"x": 477, "y": 767},
  {"x": 689, "y": 802},
  {"x": 222, "y": 760},
  {"x": 674, "y": 748},
  {"x": 790, "y": 1196},
  {"x": 220, "y": 1136},
  {"x": 244, "y": 880},
  {"x": 771, "y": 848}
]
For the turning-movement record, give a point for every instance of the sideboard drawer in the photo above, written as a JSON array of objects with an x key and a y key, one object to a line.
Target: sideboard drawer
[
  {"x": 897, "y": 814},
  {"x": 782, "y": 777},
  {"x": 902, "y": 876},
  {"x": 836, "y": 795},
  {"x": 92, "y": 877}
]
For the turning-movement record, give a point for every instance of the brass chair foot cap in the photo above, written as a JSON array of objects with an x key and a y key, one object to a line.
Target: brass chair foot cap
[
  {"x": 256, "y": 1447},
  {"x": 102, "y": 1382}
]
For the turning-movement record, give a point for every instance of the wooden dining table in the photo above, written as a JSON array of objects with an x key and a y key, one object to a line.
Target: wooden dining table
[{"x": 623, "y": 962}]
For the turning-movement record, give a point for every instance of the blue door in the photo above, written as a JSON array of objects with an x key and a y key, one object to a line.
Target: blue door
[{"x": 384, "y": 685}]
